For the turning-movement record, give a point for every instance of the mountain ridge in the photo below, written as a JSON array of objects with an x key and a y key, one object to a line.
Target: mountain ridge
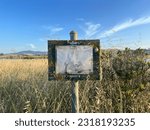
[{"x": 30, "y": 52}]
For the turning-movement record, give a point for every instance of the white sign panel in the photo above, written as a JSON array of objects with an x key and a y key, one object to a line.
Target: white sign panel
[{"x": 74, "y": 59}]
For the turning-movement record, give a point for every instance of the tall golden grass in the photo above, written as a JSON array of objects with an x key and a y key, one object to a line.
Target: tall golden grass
[{"x": 24, "y": 87}]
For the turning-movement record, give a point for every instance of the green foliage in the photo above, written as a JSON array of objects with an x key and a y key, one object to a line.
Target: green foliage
[
  {"x": 130, "y": 64},
  {"x": 132, "y": 70}
]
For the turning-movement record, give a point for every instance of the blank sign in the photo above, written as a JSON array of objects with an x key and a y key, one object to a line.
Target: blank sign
[{"x": 74, "y": 59}]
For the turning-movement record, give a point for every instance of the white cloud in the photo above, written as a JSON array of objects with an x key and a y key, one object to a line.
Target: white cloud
[
  {"x": 125, "y": 25},
  {"x": 80, "y": 19},
  {"x": 53, "y": 29},
  {"x": 43, "y": 39},
  {"x": 53, "y": 33},
  {"x": 32, "y": 46},
  {"x": 91, "y": 29},
  {"x": 56, "y": 29}
]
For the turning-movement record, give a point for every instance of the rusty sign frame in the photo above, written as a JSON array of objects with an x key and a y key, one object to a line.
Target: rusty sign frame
[{"x": 52, "y": 58}]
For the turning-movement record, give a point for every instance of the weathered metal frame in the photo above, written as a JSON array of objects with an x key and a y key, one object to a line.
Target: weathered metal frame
[{"x": 52, "y": 60}]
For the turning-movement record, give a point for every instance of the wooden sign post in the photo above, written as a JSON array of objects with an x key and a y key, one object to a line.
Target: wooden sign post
[
  {"x": 74, "y": 83},
  {"x": 74, "y": 60}
]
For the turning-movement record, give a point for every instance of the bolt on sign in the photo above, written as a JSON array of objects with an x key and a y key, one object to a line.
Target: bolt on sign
[{"x": 74, "y": 60}]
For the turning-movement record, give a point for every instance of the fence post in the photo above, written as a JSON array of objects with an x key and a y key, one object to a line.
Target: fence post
[{"x": 74, "y": 83}]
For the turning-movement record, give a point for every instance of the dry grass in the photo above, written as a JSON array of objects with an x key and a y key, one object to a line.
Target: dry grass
[{"x": 24, "y": 87}]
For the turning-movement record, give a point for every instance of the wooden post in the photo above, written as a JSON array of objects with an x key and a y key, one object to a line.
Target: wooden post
[
  {"x": 75, "y": 96},
  {"x": 74, "y": 83}
]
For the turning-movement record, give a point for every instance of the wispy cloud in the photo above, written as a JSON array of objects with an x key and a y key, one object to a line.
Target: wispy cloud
[
  {"x": 125, "y": 25},
  {"x": 53, "y": 29},
  {"x": 44, "y": 39},
  {"x": 32, "y": 46},
  {"x": 49, "y": 37},
  {"x": 53, "y": 32},
  {"x": 91, "y": 29},
  {"x": 56, "y": 29},
  {"x": 80, "y": 19}
]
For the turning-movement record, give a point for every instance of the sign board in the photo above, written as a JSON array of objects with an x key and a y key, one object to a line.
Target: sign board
[{"x": 74, "y": 60}]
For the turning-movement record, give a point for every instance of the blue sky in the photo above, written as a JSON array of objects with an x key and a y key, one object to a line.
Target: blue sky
[{"x": 28, "y": 24}]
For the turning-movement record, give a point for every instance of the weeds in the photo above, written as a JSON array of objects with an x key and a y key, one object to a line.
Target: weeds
[{"x": 125, "y": 87}]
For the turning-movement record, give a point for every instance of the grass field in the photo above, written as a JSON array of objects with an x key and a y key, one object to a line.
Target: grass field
[{"x": 24, "y": 87}]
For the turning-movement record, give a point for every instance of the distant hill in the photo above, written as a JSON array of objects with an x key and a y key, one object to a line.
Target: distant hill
[{"x": 29, "y": 52}]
